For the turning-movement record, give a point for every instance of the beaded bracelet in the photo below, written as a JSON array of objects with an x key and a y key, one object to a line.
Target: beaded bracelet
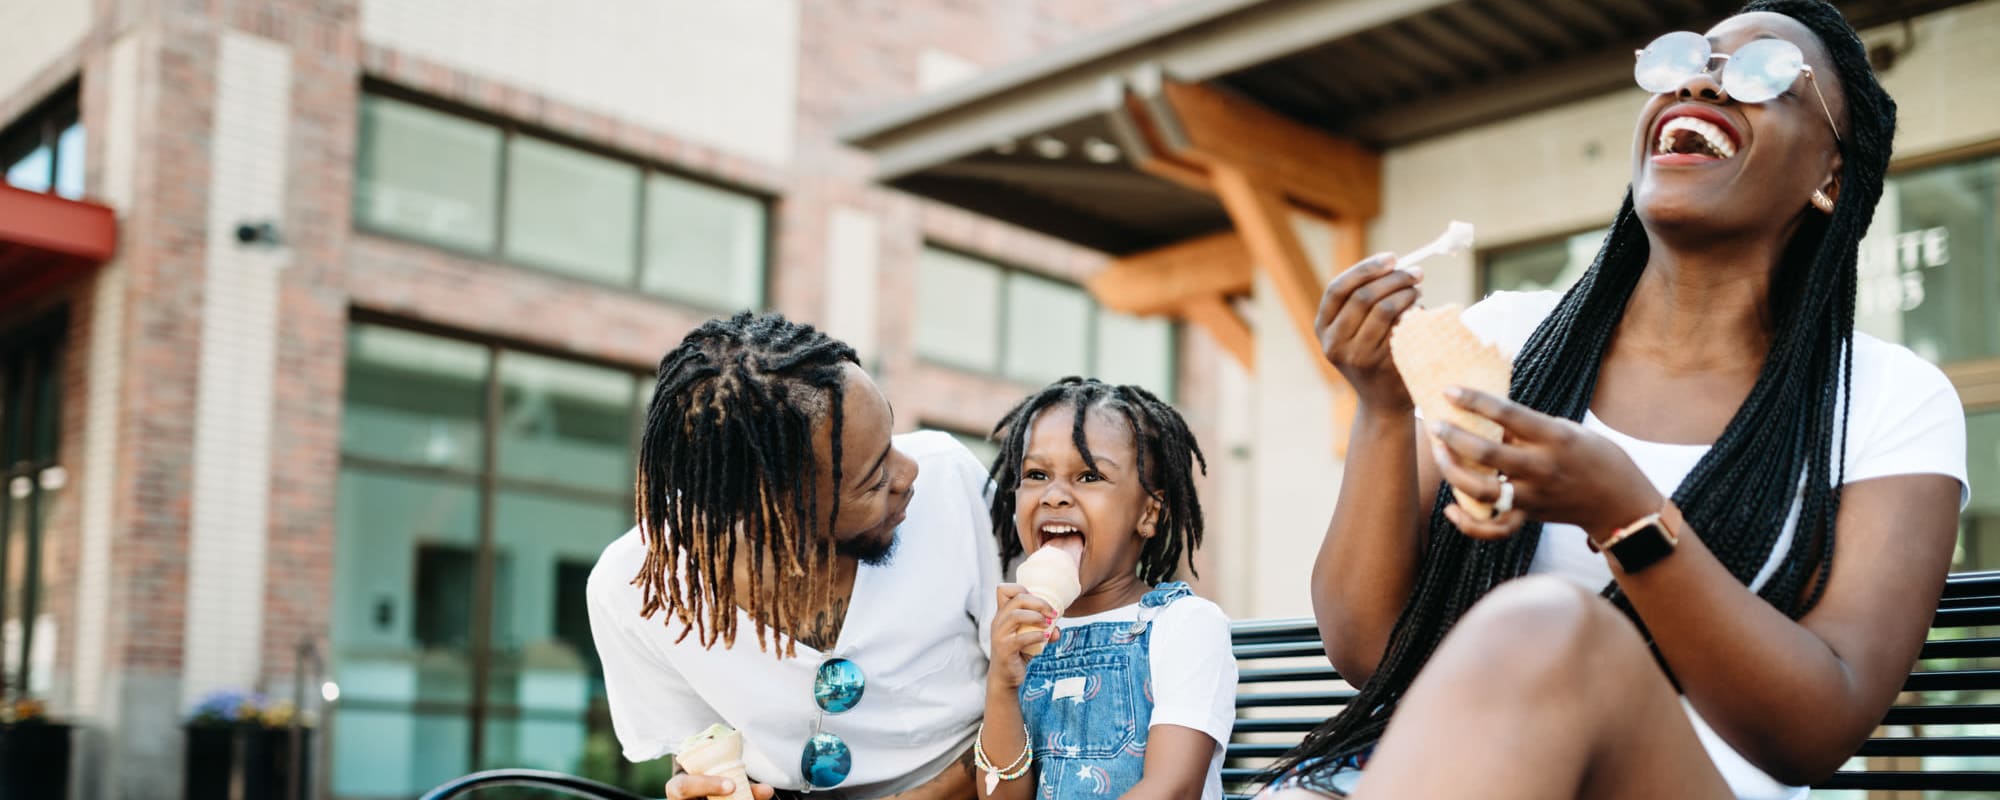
[{"x": 994, "y": 775}]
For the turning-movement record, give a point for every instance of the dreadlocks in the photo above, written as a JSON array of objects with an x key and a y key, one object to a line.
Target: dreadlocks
[
  {"x": 1739, "y": 495},
  {"x": 728, "y": 447},
  {"x": 1163, "y": 447}
]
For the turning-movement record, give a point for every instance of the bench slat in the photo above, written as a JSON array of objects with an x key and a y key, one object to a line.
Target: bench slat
[
  {"x": 1245, "y": 652},
  {"x": 1960, "y": 648},
  {"x": 1278, "y": 724},
  {"x": 1286, "y": 699},
  {"x": 1940, "y": 781},
  {"x": 1282, "y": 674},
  {"x": 1974, "y": 616},
  {"x": 1941, "y": 746},
  {"x": 1943, "y": 715},
  {"x": 1954, "y": 680}
]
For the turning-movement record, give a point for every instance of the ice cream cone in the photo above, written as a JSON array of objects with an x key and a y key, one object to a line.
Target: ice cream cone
[
  {"x": 717, "y": 753},
  {"x": 1049, "y": 573},
  {"x": 1433, "y": 349}
]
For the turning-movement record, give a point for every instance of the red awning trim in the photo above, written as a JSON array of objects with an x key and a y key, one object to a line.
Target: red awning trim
[
  {"x": 47, "y": 240},
  {"x": 57, "y": 225}
]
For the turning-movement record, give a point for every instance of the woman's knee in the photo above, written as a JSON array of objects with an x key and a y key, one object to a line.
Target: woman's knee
[{"x": 1545, "y": 629}]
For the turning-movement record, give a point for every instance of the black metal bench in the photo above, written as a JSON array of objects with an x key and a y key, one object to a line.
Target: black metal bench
[{"x": 1287, "y": 688}]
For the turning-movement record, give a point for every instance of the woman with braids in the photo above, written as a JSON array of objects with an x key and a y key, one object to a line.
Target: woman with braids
[
  {"x": 797, "y": 574},
  {"x": 1135, "y": 691},
  {"x": 1735, "y": 513}
]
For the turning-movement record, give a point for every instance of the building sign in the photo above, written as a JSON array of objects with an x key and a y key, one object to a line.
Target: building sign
[{"x": 1890, "y": 267}]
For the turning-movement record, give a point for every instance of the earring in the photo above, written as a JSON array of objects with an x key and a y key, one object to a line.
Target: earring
[{"x": 1822, "y": 202}]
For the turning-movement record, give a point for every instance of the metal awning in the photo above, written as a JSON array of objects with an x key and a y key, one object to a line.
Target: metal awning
[
  {"x": 45, "y": 240},
  {"x": 1039, "y": 143}
]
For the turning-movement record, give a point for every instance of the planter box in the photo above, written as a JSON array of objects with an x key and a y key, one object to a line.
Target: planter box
[
  {"x": 247, "y": 762},
  {"x": 34, "y": 761}
]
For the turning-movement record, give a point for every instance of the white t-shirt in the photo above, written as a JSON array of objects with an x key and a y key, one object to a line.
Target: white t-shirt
[
  {"x": 1905, "y": 419},
  {"x": 1194, "y": 671},
  {"x": 916, "y": 626}
]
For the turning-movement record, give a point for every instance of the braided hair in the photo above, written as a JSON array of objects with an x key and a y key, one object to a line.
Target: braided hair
[
  {"x": 1781, "y": 443},
  {"x": 1163, "y": 447},
  {"x": 728, "y": 448}
]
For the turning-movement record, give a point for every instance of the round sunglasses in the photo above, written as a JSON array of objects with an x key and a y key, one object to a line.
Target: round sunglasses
[
  {"x": 837, "y": 688},
  {"x": 1756, "y": 73}
]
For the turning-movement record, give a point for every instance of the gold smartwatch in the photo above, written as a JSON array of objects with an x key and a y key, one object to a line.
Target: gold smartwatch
[{"x": 1640, "y": 544}]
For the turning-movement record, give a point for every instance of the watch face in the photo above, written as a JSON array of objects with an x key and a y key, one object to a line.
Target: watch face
[{"x": 1642, "y": 547}]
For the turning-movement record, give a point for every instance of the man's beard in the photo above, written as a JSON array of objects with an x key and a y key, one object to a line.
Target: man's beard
[{"x": 871, "y": 550}]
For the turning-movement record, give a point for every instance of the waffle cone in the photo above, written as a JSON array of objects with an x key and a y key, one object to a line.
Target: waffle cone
[{"x": 1433, "y": 349}]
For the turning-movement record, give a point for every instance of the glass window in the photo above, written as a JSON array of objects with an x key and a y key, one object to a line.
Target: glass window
[
  {"x": 30, "y": 488},
  {"x": 1930, "y": 265},
  {"x": 566, "y": 423},
  {"x": 435, "y": 176},
  {"x": 572, "y": 211},
  {"x": 1048, "y": 329},
  {"x": 403, "y": 599},
  {"x": 412, "y": 508},
  {"x": 543, "y": 684},
  {"x": 43, "y": 151},
  {"x": 1549, "y": 265},
  {"x": 33, "y": 170},
  {"x": 703, "y": 244},
  {"x": 426, "y": 174},
  {"x": 1137, "y": 351},
  {"x": 69, "y": 162},
  {"x": 414, "y": 399},
  {"x": 958, "y": 311},
  {"x": 977, "y": 315}
]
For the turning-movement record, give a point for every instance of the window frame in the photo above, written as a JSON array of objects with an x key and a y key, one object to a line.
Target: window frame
[
  {"x": 1482, "y": 277},
  {"x": 38, "y": 348},
  {"x": 1008, "y": 271},
  {"x": 487, "y": 483},
  {"x": 510, "y": 129},
  {"x": 42, "y": 126}
]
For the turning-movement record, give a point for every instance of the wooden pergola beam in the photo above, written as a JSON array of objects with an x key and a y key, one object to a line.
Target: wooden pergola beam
[
  {"x": 1338, "y": 177},
  {"x": 1264, "y": 219},
  {"x": 1161, "y": 281},
  {"x": 1264, "y": 168}
]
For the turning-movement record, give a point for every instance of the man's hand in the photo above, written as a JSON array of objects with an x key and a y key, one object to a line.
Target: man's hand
[{"x": 696, "y": 787}]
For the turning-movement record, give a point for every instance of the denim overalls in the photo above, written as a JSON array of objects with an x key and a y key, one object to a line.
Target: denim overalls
[{"x": 1088, "y": 700}]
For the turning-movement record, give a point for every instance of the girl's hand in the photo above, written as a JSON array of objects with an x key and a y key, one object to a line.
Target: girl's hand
[
  {"x": 1561, "y": 472},
  {"x": 1355, "y": 315},
  {"x": 1018, "y": 607}
]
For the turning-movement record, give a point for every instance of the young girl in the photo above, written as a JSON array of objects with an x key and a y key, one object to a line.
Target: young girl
[{"x": 1135, "y": 692}]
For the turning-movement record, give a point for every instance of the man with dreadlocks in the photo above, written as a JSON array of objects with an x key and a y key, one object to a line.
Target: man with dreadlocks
[
  {"x": 772, "y": 496},
  {"x": 1735, "y": 512}
]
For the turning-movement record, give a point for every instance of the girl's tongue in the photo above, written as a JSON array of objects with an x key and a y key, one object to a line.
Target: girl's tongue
[{"x": 1071, "y": 543}]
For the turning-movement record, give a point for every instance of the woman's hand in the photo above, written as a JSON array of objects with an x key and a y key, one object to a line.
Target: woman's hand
[
  {"x": 684, "y": 786},
  {"x": 1355, "y": 315},
  {"x": 1561, "y": 472},
  {"x": 1018, "y": 607}
]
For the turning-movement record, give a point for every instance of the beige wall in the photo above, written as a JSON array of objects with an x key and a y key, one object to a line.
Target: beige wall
[
  {"x": 35, "y": 34},
  {"x": 721, "y": 73},
  {"x": 1946, "y": 95},
  {"x": 1556, "y": 172}
]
